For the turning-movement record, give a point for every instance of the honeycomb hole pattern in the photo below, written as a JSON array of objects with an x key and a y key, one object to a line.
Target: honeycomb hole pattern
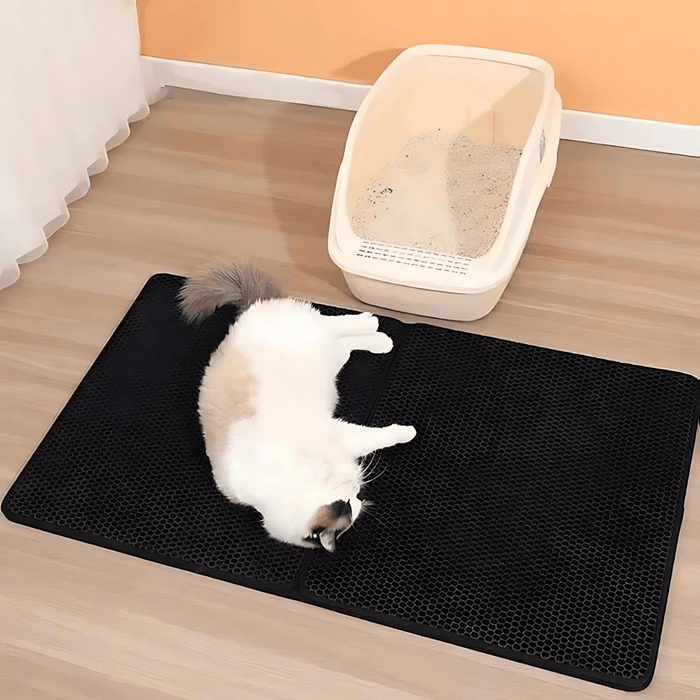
[
  {"x": 534, "y": 516},
  {"x": 124, "y": 463},
  {"x": 535, "y": 511}
]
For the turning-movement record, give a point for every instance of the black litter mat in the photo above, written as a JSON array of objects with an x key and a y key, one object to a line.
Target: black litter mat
[{"x": 535, "y": 516}]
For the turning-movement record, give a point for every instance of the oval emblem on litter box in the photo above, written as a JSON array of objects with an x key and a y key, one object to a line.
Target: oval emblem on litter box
[{"x": 542, "y": 145}]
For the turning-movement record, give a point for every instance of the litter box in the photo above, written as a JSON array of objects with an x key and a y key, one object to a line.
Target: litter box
[{"x": 491, "y": 97}]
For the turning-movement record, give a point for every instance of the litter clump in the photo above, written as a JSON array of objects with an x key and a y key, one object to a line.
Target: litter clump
[{"x": 444, "y": 192}]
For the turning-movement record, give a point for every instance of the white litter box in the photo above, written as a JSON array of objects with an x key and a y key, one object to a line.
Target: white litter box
[{"x": 491, "y": 97}]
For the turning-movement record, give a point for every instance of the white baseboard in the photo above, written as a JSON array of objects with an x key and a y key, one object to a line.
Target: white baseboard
[
  {"x": 665, "y": 137},
  {"x": 646, "y": 135},
  {"x": 257, "y": 84}
]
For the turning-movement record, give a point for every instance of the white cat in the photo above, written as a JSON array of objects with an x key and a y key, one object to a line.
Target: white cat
[{"x": 266, "y": 406}]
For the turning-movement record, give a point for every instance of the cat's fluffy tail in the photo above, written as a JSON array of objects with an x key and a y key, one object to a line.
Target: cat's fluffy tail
[{"x": 236, "y": 283}]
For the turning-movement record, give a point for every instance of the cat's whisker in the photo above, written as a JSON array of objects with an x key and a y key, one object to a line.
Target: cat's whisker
[
  {"x": 372, "y": 513},
  {"x": 375, "y": 477},
  {"x": 366, "y": 467},
  {"x": 371, "y": 475}
]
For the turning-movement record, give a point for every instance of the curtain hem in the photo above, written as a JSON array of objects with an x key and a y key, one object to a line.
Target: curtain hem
[{"x": 11, "y": 274}]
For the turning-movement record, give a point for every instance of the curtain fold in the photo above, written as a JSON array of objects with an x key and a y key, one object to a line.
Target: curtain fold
[{"x": 70, "y": 83}]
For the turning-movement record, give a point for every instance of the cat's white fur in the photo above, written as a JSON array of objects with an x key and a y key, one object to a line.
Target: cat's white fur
[{"x": 288, "y": 456}]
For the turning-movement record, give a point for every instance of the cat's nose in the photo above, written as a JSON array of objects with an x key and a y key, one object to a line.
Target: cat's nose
[{"x": 361, "y": 494}]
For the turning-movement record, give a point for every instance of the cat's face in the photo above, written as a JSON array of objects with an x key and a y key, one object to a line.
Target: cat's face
[
  {"x": 316, "y": 515},
  {"x": 330, "y": 521}
]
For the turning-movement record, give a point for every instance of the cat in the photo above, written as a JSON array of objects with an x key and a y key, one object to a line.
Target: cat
[{"x": 267, "y": 401}]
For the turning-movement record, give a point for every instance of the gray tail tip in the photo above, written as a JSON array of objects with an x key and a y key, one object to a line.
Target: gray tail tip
[{"x": 219, "y": 284}]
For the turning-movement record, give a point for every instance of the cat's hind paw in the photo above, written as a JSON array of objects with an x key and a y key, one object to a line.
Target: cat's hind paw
[
  {"x": 404, "y": 433},
  {"x": 370, "y": 323},
  {"x": 381, "y": 343}
]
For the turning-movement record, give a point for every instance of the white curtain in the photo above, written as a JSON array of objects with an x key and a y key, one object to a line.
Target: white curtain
[{"x": 70, "y": 82}]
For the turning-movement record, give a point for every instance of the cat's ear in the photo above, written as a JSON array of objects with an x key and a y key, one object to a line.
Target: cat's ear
[{"x": 328, "y": 538}]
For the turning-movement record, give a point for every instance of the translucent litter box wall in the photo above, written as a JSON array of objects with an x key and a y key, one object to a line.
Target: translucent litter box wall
[{"x": 488, "y": 101}]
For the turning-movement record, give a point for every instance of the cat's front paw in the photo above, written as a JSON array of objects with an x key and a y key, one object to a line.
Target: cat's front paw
[
  {"x": 370, "y": 323},
  {"x": 404, "y": 433}
]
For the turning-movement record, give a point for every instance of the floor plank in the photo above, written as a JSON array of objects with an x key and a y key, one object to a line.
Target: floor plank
[{"x": 612, "y": 269}]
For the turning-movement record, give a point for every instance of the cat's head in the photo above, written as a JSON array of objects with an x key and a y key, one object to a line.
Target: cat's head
[
  {"x": 315, "y": 518},
  {"x": 330, "y": 521}
]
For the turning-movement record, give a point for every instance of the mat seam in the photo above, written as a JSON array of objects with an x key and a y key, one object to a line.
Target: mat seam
[{"x": 383, "y": 382}]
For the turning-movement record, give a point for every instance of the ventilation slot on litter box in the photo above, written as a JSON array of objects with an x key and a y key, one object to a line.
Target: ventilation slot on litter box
[{"x": 415, "y": 257}]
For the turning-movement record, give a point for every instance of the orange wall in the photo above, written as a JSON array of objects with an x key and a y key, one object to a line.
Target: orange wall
[{"x": 637, "y": 58}]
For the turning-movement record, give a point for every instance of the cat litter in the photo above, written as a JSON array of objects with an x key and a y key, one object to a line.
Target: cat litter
[{"x": 444, "y": 193}]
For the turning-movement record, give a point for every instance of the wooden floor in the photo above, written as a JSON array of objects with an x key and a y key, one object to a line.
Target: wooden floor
[{"x": 612, "y": 269}]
